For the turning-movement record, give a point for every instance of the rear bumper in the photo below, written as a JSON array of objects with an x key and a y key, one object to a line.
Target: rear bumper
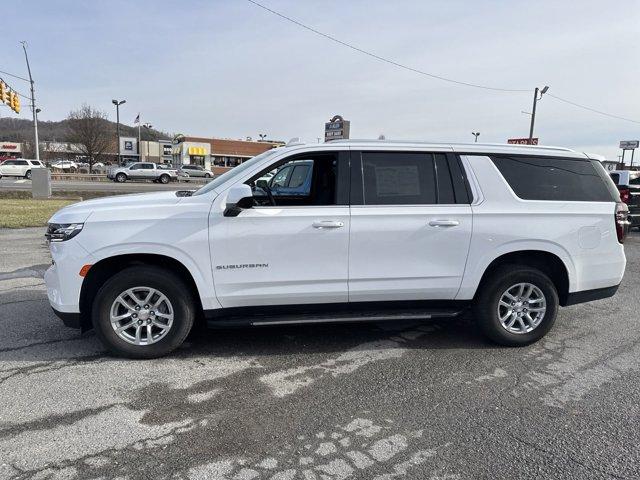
[{"x": 590, "y": 295}]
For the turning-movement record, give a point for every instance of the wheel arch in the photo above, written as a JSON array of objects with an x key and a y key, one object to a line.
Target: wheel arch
[
  {"x": 549, "y": 263},
  {"x": 107, "y": 267}
]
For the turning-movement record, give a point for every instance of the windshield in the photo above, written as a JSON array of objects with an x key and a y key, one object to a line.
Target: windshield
[{"x": 235, "y": 171}]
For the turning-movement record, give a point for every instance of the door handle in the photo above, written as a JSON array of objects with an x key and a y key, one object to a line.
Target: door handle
[
  {"x": 444, "y": 223},
  {"x": 327, "y": 224}
]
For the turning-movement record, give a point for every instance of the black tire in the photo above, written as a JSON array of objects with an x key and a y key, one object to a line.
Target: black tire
[
  {"x": 180, "y": 296},
  {"x": 485, "y": 305},
  {"x": 164, "y": 178},
  {"x": 207, "y": 175},
  {"x": 121, "y": 177},
  {"x": 27, "y": 175}
]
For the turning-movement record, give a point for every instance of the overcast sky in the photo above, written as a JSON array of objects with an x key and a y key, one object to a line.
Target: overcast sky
[{"x": 230, "y": 69}]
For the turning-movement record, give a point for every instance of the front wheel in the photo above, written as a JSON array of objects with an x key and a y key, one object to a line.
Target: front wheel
[
  {"x": 516, "y": 306},
  {"x": 28, "y": 175},
  {"x": 121, "y": 178},
  {"x": 143, "y": 312}
]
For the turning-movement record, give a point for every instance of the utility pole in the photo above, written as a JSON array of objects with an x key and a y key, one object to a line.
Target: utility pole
[
  {"x": 533, "y": 112},
  {"x": 117, "y": 104},
  {"x": 475, "y": 134},
  {"x": 33, "y": 103}
]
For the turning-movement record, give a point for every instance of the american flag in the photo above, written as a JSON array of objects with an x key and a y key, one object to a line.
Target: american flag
[{"x": 137, "y": 120}]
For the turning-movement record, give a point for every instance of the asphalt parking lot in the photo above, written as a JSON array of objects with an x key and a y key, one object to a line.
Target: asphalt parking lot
[{"x": 427, "y": 400}]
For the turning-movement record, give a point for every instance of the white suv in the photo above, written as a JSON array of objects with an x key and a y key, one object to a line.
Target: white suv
[
  {"x": 361, "y": 230},
  {"x": 19, "y": 167}
]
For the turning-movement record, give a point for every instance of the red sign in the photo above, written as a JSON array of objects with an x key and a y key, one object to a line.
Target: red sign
[
  {"x": 523, "y": 141},
  {"x": 8, "y": 146}
]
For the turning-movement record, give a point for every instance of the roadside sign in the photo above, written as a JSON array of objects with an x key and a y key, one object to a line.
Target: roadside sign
[
  {"x": 337, "y": 128},
  {"x": 523, "y": 141},
  {"x": 629, "y": 144}
]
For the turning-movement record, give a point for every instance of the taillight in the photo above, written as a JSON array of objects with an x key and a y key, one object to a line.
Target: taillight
[
  {"x": 622, "y": 221},
  {"x": 625, "y": 195}
]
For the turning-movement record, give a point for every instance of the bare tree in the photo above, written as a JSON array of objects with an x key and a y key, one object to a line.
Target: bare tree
[{"x": 90, "y": 131}]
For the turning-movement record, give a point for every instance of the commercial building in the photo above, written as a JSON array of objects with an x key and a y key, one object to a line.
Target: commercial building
[
  {"x": 218, "y": 154},
  {"x": 10, "y": 150},
  {"x": 158, "y": 151}
]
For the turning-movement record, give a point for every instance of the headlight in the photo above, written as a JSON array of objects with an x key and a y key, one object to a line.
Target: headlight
[{"x": 60, "y": 232}]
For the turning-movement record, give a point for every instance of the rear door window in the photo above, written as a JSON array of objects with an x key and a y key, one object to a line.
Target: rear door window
[
  {"x": 560, "y": 179},
  {"x": 398, "y": 178}
]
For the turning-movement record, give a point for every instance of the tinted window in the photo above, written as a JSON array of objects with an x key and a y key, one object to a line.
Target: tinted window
[
  {"x": 563, "y": 179},
  {"x": 135, "y": 166},
  {"x": 443, "y": 175},
  {"x": 634, "y": 179},
  {"x": 299, "y": 175},
  {"x": 615, "y": 177},
  {"x": 22, "y": 162},
  {"x": 398, "y": 178},
  {"x": 8, "y": 162}
]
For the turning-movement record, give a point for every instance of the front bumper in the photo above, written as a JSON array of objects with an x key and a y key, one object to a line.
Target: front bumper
[
  {"x": 69, "y": 319},
  {"x": 62, "y": 278}
]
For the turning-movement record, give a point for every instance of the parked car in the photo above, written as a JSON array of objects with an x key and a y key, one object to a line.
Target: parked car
[
  {"x": 292, "y": 179},
  {"x": 65, "y": 166},
  {"x": 19, "y": 167},
  {"x": 143, "y": 171},
  {"x": 194, "y": 171},
  {"x": 628, "y": 183},
  {"x": 387, "y": 231}
]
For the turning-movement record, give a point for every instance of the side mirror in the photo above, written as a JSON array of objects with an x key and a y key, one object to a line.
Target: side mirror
[{"x": 238, "y": 198}]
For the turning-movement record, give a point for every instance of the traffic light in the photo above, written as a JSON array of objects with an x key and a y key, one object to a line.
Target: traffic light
[{"x": 14, "y": 101}]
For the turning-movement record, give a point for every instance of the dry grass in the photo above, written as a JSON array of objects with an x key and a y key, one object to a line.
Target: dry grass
[{"x": 20, "y": 213}]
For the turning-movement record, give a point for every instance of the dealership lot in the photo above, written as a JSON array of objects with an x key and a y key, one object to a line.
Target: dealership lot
[{"x": 387, "y": 400}]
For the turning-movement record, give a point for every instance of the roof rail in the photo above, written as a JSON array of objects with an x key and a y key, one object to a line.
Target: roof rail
[{"x": 457, "y": 144}]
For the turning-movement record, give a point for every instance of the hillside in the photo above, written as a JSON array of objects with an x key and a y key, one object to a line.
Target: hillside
[{"x": 20, "y": 130}]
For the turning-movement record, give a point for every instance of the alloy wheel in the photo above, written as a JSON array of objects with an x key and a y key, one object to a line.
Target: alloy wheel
[
  {"x": 521, "y": 308},
  {"x": 141, "y": 315}
]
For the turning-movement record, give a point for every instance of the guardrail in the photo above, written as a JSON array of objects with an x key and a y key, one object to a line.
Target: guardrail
[{"x": 84, "y": 177}]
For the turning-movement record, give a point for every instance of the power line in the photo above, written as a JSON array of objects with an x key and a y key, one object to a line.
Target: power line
[
  {"x": 383, "y": 59},
  {"x": 15, "y": 76},
  {"x": 592, "y": 109},
  {"x": 421, "y": 72}
]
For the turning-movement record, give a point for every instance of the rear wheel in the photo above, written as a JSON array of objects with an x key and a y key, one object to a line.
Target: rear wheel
[
  {"x": 516, "y": 306},
  {"x": 207, "y": 175},
  {"x": 121, "y": 178},
  {"x": 143, "y": 312},
  {"x": 164, "y": 178}
]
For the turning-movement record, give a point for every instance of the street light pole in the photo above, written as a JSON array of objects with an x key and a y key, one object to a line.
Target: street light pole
[
  {"x": 33, "y": 103},
  {"x": 117, "y": 104},
  {"x": 533, "y": 111},
  {"x": 475, "y": 134}
]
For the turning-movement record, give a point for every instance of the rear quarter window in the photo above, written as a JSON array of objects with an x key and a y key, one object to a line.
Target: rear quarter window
[{"x": 559, "y": 179}]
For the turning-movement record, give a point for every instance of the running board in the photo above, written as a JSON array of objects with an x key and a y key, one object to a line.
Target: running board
[{"x": 331, "y": 317}]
